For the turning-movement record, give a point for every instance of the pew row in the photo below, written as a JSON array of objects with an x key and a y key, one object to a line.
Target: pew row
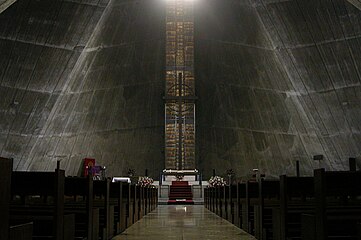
[
  {"x": 337, "y": 207},
  {"x": 326, "y": 206},
  {"x": 38, "y": 197},
  {"x": 39, "y": 205},
  {"x": 8, "y": 230}
]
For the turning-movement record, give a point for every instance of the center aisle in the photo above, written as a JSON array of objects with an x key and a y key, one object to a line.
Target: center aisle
[{"x": 183, "y": 223}]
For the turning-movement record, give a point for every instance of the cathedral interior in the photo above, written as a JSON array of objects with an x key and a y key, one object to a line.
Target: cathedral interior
[
  {"x": 212, "y": 87},
  {"x": 276, "y": 82}
]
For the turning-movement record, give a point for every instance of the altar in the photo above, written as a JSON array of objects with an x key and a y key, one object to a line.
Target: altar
[
  {"x": 180, "y": 187},
  {"x": 193, "y": 177}
]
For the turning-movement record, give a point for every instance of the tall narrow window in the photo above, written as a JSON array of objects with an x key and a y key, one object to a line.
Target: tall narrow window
[{"x": 180, "y": 86}]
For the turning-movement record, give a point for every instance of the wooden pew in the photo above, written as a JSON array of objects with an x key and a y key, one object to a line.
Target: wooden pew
[
  {"x": 296, "y": 198},
  {"x": 207, "y": 193},
  {"x": 211, "y": 198},
  {"x": 225, "y": 202},
  {"x": 22, "y": 231},
  {"x": 243, "y": 198},
  {"x": 101, "y": 190},
  {"x": 231, "y": 203},
  {"x": 6, "y": 167},
  {"x": 42, "y": 222},
  {"x": 219, "y": 200},
  {"x": 140, "y": 202},
  {"x": 145, "y": 200},
  {"x": 135, "y": 202},
  {"x": 51, "y": 220},
  {"x": 153, "y": 192},
  {"x": 154, "y": 198},
  {"x": 240, "y": 204},
  {"x": 206, "y": 197},
  {"x": 214, "y": 198},
  {"x": 268, "y": 198},
  {"x": 147, "y": 194},
  {"x": 132, "y": 206},
  {"x": 338, "y": 206},
  {"x": 119, "y": 195},
  {"x": 86, "y": 216},
  {"x": 248, "y": 204},
  {"x": 149, "y": 199}
]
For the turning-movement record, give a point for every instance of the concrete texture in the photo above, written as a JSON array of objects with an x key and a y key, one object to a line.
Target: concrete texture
[
  {"x": 283, "y": 79},
  {"x": 277, "y": 81},
  {"x": 77, "y": 80},
  {"x": 4, "y": 4},
  {"x": 356, "y": 3}
]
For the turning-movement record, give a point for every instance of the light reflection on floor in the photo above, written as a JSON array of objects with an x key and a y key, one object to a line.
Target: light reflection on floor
[{"x": 183, "y": 223}]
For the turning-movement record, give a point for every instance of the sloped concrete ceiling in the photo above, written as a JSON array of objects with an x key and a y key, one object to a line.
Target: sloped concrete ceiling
[
  {"x": 40, "y": 43},
  {"x": 82, "y": 79},
  {"x": 278, "y": 81}
]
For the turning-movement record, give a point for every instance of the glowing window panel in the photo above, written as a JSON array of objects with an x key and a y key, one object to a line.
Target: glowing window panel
[{"x": 180, "y": 86}]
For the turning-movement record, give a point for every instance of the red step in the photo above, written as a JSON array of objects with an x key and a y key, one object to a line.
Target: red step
[
  {"x": 180, "y": 193},
  {"x": 180, "y": 183}
]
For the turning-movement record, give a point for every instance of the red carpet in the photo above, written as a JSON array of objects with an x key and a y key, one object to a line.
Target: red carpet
[{"x": 180, "y": 193}]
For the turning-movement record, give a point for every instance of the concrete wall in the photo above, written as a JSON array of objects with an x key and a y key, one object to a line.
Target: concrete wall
[
  {"x": 4, "y": 4},
  {"x": 278, "y": 81},
  {"x": 82, "y": 80}
]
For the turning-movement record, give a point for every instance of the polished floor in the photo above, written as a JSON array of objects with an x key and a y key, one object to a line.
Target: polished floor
[{"x": 183, "y": 223}]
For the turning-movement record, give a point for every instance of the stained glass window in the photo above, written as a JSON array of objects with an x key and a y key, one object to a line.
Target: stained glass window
[{"x": 180, "y": 87}]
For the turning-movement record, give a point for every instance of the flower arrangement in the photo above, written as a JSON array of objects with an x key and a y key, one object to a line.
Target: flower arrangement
[
  {"x": 145, "y": 181},
  {"x": 216, "y": 181}
]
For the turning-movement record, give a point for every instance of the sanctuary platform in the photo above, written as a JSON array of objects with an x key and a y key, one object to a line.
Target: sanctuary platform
[{"x": 181, "y": 187}]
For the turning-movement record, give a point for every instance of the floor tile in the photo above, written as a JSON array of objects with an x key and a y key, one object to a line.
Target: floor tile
[{"x": 183, "y": 223}]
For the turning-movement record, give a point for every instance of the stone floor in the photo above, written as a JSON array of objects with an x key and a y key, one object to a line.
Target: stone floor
[{"x": 183, "y": 223}]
